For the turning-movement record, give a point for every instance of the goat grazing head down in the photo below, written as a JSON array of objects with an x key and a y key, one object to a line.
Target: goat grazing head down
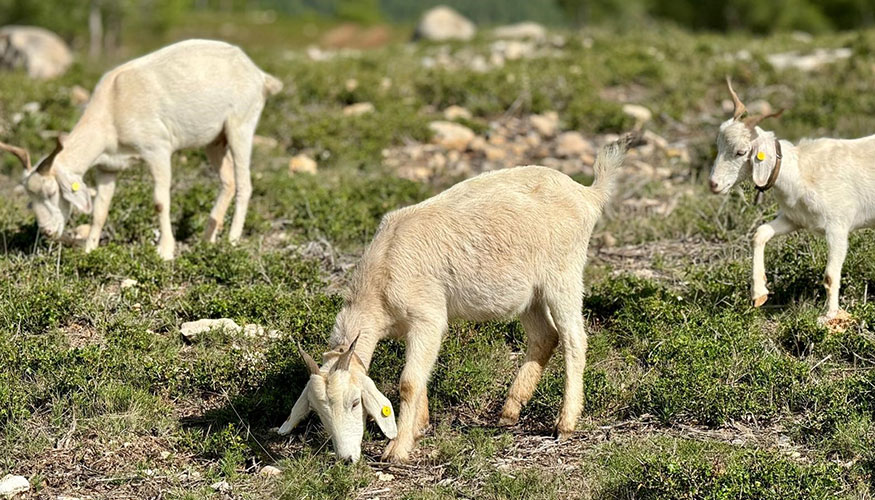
[
  {"x": 743, "y": 149},
  {"x": 52, "y": 190},
  {"x": 343, "y": 396}
]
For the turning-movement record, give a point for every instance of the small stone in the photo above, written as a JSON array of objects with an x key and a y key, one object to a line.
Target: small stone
[
  {"x": 383, "y": 476},
  {"x": 457, "y": 112},
  {"x": 359, "y": 108},
  {"x": 128, "y": 283},
  {"x": 164, "y": 455},
  {"x": 494, "y": 153},
  {"x": 443, "y": 23},
  {"x": 478, "y": 144},
  {"x": 221, "y": 486},
  {"x": 190, "y": 330},
  {"x": 655, "y": 139},
  {"x": 302, "y": 164},
  {"x": 351, "y": 84},
  {"x": 79, "y": 95},
  {"x": 451, "y": 135},
  {"x": 81, "y": 231},
  {"x": 570, "y": 144},
  {"x": 270, "y": 471},
  {"x": 262, "y": 141},
  {"x": 12, "y": 485},
  {"x": 546, "y": 124},
  {"x": 252, "y": 330},
  {"x": 641, "y": 114},
  {"x": 608, "y": 240}
]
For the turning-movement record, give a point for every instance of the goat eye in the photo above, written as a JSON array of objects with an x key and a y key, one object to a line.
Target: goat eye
[
  {"x": 740, "y": 153},
  {"x": 356, "y": 403}
]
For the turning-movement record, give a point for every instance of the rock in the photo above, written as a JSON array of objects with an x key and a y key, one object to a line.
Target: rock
[
  {"x": 759, "y": 107},
  {"x": 81, "y": 231},
  {"x": 79, "y": 95},
  {"x": 512, "y": 50},
  {"x": 302, "y": 164},
  {"x": 451, "y": 135},
  {"x": 252, "y": 330},
  {"x": 270, "y": 471},
  {"x": 221, "y": 486},
  {"x": 655, "y": 139},
  {"x": 521, "y": 31},
  {"x": 359, "y": 108},
  {"x": 478, "y": 144},
  {"x": 351, "y": 84},
  {"x": 570, "y": 144},
  {"x": 192, "y": 329},
  {"x": 38, "y": 51},
  {"x": 457, "y": 112},
  {"x": 12, "y": 485},
  {"x": 267, "y": 142},
  {"x": 383, "y": 476},
  {"x": 641, "y": 114},
  {"x": 808, "y": 62},
  {"x": 443, "y": 23},
  {"x": 128, "y": 283},
  {"x": 545, "y": 124},
  {"x": 494, "y": 153},
  {"x": 608, "y": 240}
]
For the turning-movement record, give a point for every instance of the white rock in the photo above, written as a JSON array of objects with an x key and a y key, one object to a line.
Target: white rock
[
  {"x": 546, "y": 124},
  {"x": 302, "y": 164},
  {"x": 359, "y": 108},
  {"x": 252, "y": 330},
  {"x": 456, "y": 112},
  {"x": 221, "y": 486},
  {"x": 270, "y": 471},
  {"x": 570, "y": 144},
  {"x": 522, "y": 30},
  {"x": 12, "y": 485},
  {"x": 443, "y": 23},
  {"x": 451, "y": 135},
  {"x": 38, "y": 51},
  {"x": 383, "y": 476},
  {"x": 808, "y": 62},
  {"x": 128, "y": 283},
  {"x": 641, "y": 114},
  {"x": 192, "y": 329}
]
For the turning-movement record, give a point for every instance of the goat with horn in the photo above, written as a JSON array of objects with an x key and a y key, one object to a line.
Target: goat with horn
[
  {"x": 190, "y": 94},
  {"x": 825, "y": 185}
]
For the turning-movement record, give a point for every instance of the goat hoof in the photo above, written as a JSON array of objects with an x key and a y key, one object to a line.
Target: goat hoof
[
  {"x": 759, "y": 301},
  {"x": 394, "y": 454},
  {"x": 508, "y": 421}
]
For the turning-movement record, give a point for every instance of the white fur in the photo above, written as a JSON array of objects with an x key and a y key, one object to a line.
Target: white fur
[
  {"x": 824, "y": 185},
  {"x": 190, "y": 94},
  {"x": 503, "y": 244}
]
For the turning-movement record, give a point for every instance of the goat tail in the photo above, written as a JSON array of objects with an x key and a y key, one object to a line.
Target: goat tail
[
  {"x": 272, "y": 85},
  {"x": 608, "y": 162}
]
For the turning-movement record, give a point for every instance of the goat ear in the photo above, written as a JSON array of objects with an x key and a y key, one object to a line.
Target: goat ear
[
  {"x": 299, "y": 411},
  {"x": 378, "y": 407},
  {"x": 74, "y": 190},
  {"x": 762, "y": 159}
]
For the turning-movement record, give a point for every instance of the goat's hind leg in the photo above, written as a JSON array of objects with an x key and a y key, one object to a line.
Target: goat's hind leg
[
  {"x": 837, "y": 241},
  {"x": 541, "y": 340},
  {"x": 220, "y": 158}
]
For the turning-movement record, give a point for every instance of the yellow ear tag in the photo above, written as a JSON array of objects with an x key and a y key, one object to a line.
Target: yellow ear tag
[
  {"x": 761, "y": 156},
  {"x": 75, "y": 186},
  {"x": 386, "y": 411}
]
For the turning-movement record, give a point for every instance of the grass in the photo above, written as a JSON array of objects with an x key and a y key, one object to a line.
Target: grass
[{"x": 690, "y": 393}]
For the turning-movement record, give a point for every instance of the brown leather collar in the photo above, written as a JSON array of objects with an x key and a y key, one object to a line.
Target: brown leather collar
[{"x": 774, "y": 175}]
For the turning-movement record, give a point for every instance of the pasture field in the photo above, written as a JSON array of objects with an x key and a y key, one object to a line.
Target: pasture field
[{"x": 690, "y": 392}]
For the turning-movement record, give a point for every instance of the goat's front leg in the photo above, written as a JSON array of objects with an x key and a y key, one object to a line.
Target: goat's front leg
[
  {"x": 837, "y": 241},
  {"x": 781, "y": 225},
  {"x": 105, "y": 191},
  {"x": 423, "y": 344},
  {"x": 159, "y": 164}
]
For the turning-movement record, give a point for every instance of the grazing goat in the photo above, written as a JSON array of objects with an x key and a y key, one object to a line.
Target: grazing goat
[
  {"x": 503, "y": 244},
  {"x": 825, "y": 185},
  {"x": 189, "y": 94}
]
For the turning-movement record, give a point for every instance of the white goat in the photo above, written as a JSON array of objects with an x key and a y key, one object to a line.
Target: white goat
[
  {"x": 503, "y": 244},
  {"x": 825, "y": 185},
  {"x": 189, "y": 94}
]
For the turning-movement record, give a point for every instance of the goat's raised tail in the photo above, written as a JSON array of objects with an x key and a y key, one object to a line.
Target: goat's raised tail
[
  {"x": 608, "y": 162},
  {"x": 272, "y": 85}
]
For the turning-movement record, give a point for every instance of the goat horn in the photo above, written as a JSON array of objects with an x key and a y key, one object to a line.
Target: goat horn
[
  {"x": 312, "y": 367},
  {"x": 739, "y": 106},
  {"x": 21, "y": 153},
  {"x": 753, "y": 121},
  {"x": 345, "y": 358}
]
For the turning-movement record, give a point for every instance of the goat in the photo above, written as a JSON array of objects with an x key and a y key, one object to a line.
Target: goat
[
  {"x": 190, "y": 94},
  {"x": 824, "y": 185},
  {"x": 503, "y": 244}
]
